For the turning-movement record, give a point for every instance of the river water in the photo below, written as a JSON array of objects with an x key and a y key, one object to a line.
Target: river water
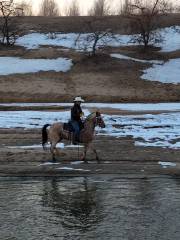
[{"x": 102, "y": 207}]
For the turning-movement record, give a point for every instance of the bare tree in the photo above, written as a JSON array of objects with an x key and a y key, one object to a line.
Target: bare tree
[
  {"x": 49, "y": 8},
  {"x": 125, "y": 7},
  {"x": 144, "y": 18},
  {"x": 73, "y": 9},
  {"x": 177, "y": 11},
  {"x": 99, "y": 8},
  {"x": 177, "y": 8},
  {"x": 24, "y": 9},
  {"x": 95, "y": 39},
  {"x": 7, "y": 10}
]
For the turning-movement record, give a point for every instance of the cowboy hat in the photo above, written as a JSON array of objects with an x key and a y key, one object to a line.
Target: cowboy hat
[{"x": 78, "y": 99}]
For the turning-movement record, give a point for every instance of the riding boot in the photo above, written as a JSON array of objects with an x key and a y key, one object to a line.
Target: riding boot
[{"x": 75, "y": 139}]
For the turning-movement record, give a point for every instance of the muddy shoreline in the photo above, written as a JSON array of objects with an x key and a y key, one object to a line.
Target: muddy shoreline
[
  {"x": 117, "y": 156},
  {"x": 21, "y": 154}
]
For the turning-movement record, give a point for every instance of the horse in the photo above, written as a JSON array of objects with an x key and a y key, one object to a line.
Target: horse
[{"x": 56, "y": 133}]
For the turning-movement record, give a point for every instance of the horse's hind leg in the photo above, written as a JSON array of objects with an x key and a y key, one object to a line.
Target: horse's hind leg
[{"x": 53, "y": 149}]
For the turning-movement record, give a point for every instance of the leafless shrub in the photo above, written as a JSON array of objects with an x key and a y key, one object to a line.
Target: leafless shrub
[
  {"x": 144, "y": 18},
  {"x": 95, "y": 39},
  {"x": 24, "y": 9},
  {"x": 9, "y": 32}
]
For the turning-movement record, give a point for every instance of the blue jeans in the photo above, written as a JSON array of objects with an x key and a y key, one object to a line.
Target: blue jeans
[{"x": 76, "y": 128}]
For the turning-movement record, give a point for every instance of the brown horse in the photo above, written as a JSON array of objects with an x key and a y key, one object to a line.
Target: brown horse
[{"x": 56, "y": 134}]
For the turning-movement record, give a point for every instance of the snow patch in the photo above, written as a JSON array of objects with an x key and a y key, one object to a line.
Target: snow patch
[
  {"x": 14, "y": 65},
  {"x": 120, "y": 56},
  {"x": 26, "y": 147},
  {"x": 32, "y": 119},
  {"x": 168, "y": 72},
  {"x": 154, "y": 130},
  {"x": 48, "y": 163},
  {"x": 35, "y": 40},
  {"x": 171, "y": 36},
  {"x": 72, "y": 169},
  {"x": 167, "y": 164},
  {"x": 67, "y": 40},
  {"x": 73, "y": 146},
  {"x": 77, "y": 162}
]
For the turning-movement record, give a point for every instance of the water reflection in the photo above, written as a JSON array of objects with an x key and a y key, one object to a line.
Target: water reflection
[
  {"x": 90, "y": 208},
  {"x": 77, "y": 206}
]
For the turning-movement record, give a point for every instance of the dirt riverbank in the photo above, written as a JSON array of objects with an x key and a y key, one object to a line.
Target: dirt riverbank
[{"x": 118, "y": 156}]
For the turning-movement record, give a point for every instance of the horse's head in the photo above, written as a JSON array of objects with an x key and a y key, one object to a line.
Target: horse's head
[
  {"x": 96, "y": 119},
  {"x": 99, "y": 120}
]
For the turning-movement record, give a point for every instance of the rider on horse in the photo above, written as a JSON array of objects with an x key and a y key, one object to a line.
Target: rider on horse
[{"x": 76, "y": 114}]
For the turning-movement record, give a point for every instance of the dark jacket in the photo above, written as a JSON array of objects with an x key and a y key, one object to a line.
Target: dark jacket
[{"x": 76, "y": 112}]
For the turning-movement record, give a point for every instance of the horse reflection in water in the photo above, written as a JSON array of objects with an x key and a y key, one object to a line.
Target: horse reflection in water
[
  {"x": 56, "y": 133},
  {"x": 77, "y": 207}
]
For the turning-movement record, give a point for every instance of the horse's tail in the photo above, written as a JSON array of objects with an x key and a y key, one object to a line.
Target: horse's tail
[{"x": 44, "y": 135}]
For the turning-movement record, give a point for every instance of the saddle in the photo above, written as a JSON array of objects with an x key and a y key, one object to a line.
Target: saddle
[{"x": 68, "y": 127}]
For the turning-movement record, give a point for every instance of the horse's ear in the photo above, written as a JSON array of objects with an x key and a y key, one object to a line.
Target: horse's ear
[{"x": 98, "y": 114}]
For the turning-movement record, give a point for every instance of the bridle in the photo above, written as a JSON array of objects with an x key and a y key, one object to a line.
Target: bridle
[{"x": 97, "y": 119}]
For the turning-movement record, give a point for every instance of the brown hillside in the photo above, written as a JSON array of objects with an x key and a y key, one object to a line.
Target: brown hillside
[{"x": 76, "y": 24}]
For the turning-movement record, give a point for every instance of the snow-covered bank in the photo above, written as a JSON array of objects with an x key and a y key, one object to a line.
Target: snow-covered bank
[
  {"x": 119, "y": 106},
  {"x": 168, "y": 72},
  {"x": 32, "y": 119},
  {"x": 69, "y": 40},
  {"x": 14, "y": 65},
  {"x": 35, "y": 40},
  {"x": 159, "y": 130}
]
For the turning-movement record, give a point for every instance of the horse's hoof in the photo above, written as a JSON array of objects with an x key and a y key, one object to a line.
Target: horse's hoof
[{"x": 98, "y": 160}]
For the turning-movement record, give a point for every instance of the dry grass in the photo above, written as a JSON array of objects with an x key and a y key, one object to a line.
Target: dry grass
[
  {"x": 99, "y": 79},
  {"x": 76, "y": 24}
]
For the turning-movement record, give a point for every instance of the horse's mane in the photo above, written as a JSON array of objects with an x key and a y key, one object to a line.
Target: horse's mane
[{"x": 90, "y": 116}]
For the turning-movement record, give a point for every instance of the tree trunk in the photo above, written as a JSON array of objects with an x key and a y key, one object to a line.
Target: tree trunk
[{"x": 94, "y": 46}]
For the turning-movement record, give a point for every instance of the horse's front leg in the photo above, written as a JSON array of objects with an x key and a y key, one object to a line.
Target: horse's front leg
[
  {"x": 83, "y": 158},
  {"x": 97, "y": 157},
  {"x": 95, "y": 152}
]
